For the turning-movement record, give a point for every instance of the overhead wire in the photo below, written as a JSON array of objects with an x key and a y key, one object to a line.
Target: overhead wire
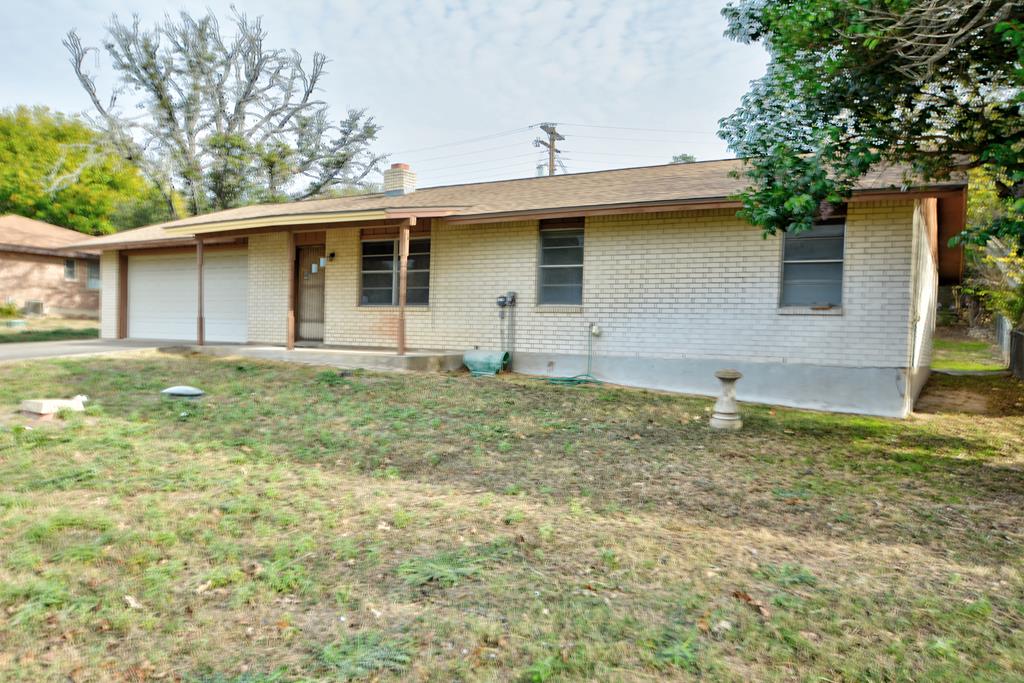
[
  {"x": 649, "y": 130},
  {"x": 578, "y": 157},
  {"x": 468, "y": 140}
]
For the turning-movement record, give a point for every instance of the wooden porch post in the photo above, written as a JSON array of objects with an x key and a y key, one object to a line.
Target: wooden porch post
[
  {"x": 200, "y": 321},
  {"x": 122, "y": 295},
  {"x": 403, "y": 278},
  {"x": 290, "y": 343}
]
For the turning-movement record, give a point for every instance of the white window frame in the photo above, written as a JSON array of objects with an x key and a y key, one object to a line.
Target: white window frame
[
  {"x": 395, "y": 270},
  {"x": 830, "y": 308},
  {"x": 74, "y": 270},
  {"x": 541, "y": 266}
]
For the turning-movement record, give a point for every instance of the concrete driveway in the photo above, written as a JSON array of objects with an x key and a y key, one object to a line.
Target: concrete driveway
[{"x": 76, "y": 347}]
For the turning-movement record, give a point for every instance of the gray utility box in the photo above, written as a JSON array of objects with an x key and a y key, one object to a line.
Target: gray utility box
[{"x": 1017, "y": 353}]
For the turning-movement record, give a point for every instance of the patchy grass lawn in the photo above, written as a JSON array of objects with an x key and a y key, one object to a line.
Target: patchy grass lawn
[
  {"x": 955, "y": 351},
  {"x": 49, "y": 329},
  {"x": 301, "y": 524}
]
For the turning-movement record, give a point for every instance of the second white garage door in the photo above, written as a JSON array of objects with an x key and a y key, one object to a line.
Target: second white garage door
[{"x": 162, "y": 296}]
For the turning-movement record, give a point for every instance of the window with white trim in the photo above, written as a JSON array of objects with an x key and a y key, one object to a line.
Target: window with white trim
[
  {"x": 70, "y": 269},
  {"x": 812, "y": 264},
  {"x": 380, "y": 270},
  {"x": 92, "y": 273},
  {"x": 560, "y": 277}
]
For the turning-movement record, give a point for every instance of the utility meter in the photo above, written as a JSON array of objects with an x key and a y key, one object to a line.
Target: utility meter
[{"x": 508, "y": 299}]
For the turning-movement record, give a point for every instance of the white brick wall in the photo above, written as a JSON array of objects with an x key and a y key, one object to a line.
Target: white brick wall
[
  {"x": 109, "y": 289},
  {"x": 924, "y": 313},
  {"x": 270, "y": 275},
  {"x": 697, "y": 284},
  {"x": 926, "y": 286}
]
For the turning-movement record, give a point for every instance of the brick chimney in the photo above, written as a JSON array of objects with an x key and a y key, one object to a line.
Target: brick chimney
[{"x": 399, "y": 180}]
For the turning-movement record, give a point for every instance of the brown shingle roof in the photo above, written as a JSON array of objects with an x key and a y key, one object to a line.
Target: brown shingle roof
[
  {"x": 18, "y": 233},
  {"x": 708, "y": 180}
]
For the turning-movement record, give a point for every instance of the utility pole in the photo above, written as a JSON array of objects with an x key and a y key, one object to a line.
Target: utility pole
[{"x": 551, "y": 144}]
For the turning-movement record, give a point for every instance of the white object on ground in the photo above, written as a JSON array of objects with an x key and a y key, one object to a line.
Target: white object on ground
[
  {"x": 182, "y": 391},
  {"x": 49, "y": 406},
  {"x": 726, "y": 415}
]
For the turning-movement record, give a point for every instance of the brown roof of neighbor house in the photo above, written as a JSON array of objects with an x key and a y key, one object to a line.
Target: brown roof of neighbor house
[
  {"x": 699, "y": 182},
  {"x": 27, "y": 235}
]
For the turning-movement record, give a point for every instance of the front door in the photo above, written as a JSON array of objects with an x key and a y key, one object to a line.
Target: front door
[{"x": 309, "y": 293}]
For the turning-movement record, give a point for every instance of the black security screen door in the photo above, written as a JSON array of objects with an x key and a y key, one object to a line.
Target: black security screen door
[{"x": 309, "y": 290}]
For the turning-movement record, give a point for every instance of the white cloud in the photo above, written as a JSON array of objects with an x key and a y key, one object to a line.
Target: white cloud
[{"x": 440, "y": 70}]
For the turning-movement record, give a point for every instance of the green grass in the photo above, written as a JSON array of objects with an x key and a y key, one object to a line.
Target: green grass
[
  {"x": 963, "y": 355},
  {"x": 446, "y": 569},
  {"x": 57, "y": 334},
  {"x": 298, "y": 525},
  {"x": 363, "y": 655}
]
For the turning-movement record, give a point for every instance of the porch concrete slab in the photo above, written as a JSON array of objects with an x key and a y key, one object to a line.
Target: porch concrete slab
[{"x": 367, "y": 359}]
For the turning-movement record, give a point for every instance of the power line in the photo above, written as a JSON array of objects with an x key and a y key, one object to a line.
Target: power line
[
  {"x": 468, "y": 140},
  {"x": 669, "y": 142},
  {"x": 649, "y": 130},
  {"x": 521, "y": 129},
  {"x": 614, "y": 154},
  {"x": 475, "y": 163},
  {"x": 465, "y": 154},
  {"x": 482, "y": 174}
]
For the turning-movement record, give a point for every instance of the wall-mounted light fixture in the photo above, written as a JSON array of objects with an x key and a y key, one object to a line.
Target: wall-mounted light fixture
[{"x": 324, "y": 260}]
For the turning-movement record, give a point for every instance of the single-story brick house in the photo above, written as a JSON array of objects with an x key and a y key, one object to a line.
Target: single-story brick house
[
  {"x": 839, "y": 318},
  {"x": 39, "y": 274}
]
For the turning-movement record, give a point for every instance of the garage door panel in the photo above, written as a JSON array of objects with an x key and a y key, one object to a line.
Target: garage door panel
[
  {"x": 162, "y": 297},
  {"x": 225, "y": 291}
]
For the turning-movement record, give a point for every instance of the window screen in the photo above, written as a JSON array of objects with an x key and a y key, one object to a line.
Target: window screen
[
  {"x": 380, "y": 273},
  {"x": 561, "y": 267},
  {"x": 70, "y": 269},
  {"x": 812, "y": 264},
  {"x": 93, "y": 275}
]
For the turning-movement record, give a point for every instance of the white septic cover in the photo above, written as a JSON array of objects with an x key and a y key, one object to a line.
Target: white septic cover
[{"x": 182, "y": 390}]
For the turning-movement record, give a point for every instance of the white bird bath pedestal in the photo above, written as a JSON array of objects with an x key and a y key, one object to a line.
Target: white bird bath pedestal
[{"x": 726, "y": 415}]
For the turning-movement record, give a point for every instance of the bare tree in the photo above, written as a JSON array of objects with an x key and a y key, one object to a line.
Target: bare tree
[
  {"x": 224, "y": 121},
  {"x": 925, "y": 33}
]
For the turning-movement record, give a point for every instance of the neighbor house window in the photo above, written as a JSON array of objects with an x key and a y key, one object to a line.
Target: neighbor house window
[
  {"x": 93, "y": 275},
  {"x": 70, "y": 269},
  {"x": 380, "y": 273},
  {"x": 812, "y": 264},
  {"x": 561, "y": 262}
]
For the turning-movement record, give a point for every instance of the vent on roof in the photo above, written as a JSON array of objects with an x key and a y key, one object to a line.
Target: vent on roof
[{"x": 399, "y": 180}]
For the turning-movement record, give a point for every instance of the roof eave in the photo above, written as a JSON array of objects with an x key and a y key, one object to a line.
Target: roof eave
[
  {"x": 67, "y": 251},
  {"x": 694, "y": 204},
  {"x": 299, "y": 219}
]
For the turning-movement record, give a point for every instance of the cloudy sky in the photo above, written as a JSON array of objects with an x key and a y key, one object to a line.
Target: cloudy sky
[{"x": 456, "y": 84}]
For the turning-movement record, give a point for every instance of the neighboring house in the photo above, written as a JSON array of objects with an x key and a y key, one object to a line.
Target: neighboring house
[
  {"x": 839, "y": 318},
  {"x": 39, "y": 274}
]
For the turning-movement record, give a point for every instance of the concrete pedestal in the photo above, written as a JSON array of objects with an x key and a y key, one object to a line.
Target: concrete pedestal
[{"x": 726, "y": 415}]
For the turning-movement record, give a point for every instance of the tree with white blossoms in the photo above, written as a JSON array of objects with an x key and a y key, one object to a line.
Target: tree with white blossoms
[
  {"x": 222, "y": 121},
  {"x": 935, "y": 85}
]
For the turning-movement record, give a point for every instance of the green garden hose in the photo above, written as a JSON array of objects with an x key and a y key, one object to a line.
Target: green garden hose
[{"x": 585, "y": 378}]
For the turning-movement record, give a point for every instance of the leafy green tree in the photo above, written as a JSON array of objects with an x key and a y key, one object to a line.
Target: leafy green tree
[
  {"x": 935, "y": 85},
  {"x": 53, "y": 169},
  {"x": 683, "y": 158},
  {"x": 995, "y": 272},
  {"x": 223, "y": 121}
]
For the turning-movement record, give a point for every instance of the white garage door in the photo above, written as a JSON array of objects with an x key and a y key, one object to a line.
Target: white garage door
[{"x": 162, "y": 296}]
